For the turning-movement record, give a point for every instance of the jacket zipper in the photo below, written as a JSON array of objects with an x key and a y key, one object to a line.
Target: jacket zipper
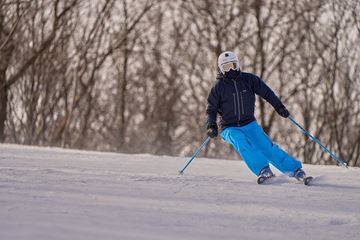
[
  {"x": 237, "y": 98},
  {"x": 242, "y": 103},
  {"x": 234, "y": 103}
]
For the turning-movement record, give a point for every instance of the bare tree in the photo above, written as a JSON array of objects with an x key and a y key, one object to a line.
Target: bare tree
[
  {"x": 133, "y": 76},
  {"x": 8, "y": 44}
]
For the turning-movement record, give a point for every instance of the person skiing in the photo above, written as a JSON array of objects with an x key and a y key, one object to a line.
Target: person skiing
[{"x": 233, "y": 98}]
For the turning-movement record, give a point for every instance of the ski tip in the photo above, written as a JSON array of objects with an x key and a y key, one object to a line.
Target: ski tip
[
  {"x": 261, "y": 180},
  {"x": 308, "y": 180},
  {"x": 264, "y": 180}
]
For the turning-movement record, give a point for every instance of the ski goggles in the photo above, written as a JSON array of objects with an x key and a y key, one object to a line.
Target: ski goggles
[{"x": 227, "y": 66}]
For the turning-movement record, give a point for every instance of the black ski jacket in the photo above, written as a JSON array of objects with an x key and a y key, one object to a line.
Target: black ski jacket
[{"x": 234, "y": 99}]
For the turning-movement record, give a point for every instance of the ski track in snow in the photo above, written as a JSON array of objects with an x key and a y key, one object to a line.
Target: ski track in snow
[{"x": 51, "y": 193}]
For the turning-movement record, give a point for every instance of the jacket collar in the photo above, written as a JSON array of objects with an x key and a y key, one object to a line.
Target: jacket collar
[{"x": 222, "y": 77}]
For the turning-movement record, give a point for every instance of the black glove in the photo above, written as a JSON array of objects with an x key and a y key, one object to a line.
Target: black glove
[
  {"x": 212, "y": 130},
  {"x": 282, "y": 111}
]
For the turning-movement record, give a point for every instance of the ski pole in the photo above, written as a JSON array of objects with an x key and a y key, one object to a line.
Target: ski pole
[
  {"x": 338, "y": 160},
  {"x": 195, "y": 155}
]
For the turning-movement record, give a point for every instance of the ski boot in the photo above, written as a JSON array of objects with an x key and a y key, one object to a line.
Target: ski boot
[
  {"x": 301, "y": 176},
  {"x": 265, "y": 174}
]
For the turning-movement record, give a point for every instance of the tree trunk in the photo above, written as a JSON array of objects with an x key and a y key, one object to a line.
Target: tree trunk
[{"x": 3, "y": 104}]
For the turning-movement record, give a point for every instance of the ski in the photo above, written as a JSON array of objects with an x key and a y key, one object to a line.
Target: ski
[
  {"x": 307, "y": 180},
  {"x": 267, "y": 180}
]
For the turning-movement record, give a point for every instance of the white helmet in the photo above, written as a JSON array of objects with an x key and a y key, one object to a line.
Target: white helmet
[{"x": 228, "y": 60}]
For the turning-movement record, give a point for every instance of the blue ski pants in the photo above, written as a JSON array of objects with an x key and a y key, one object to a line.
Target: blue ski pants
[{"x": 257, "y": 150}]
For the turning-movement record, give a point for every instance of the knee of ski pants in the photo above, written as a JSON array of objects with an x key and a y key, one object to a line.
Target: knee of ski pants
[
  {"x": 261, "y": 139},
  {"x": 236, "y": 138},
  {"x": 263, "y": 142},
  {"x": 253, "y": 158}
]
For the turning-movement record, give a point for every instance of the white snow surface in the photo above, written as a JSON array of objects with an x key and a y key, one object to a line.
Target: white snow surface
[{"x": 51, "y": 193}]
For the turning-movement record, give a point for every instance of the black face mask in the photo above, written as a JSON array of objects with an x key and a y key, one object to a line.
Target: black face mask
[{"x": 232, "y": 74}]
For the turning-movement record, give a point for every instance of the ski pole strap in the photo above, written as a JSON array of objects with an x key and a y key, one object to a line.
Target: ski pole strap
[
  {"x": 338, "y": 160},
  {"x": 195, "y": 155}
]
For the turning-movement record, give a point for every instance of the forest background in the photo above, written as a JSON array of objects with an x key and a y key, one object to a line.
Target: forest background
[{"x": 133, "y": 76}]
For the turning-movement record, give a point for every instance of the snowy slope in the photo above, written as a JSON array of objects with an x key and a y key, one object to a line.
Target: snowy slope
[{"x": 48, "y": 193}]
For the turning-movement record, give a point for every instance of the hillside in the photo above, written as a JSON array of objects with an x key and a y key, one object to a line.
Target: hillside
[{"x": 49, "y": 193}]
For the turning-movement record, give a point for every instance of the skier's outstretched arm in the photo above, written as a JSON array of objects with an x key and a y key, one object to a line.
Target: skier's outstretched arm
[{"x": 268, "y": 94}]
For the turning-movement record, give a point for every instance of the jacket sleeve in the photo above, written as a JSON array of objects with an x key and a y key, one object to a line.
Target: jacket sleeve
[
  {"x": 212, "y": 106},
  {"x": 266, "y": 93}
]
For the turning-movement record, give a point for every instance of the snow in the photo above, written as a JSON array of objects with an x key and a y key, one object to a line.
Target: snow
[{"x": 51, "y": 193}]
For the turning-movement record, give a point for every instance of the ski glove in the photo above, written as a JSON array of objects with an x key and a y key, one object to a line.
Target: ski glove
[
  {"x": 212, "y": 130},
  {"x": 282, "y": 111}
]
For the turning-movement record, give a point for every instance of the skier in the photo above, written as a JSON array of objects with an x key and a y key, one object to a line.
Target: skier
[{"x": 233, "y": 97}]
